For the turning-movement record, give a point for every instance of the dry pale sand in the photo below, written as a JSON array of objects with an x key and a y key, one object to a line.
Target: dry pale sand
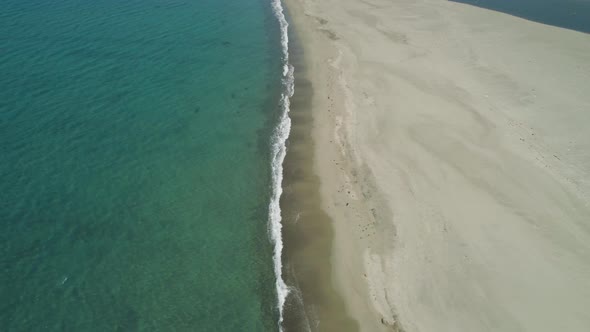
[{"x": 453, "y": 149}]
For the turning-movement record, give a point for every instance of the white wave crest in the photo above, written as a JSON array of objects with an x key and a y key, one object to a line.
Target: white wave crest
[{"x": 278, "y": 151}]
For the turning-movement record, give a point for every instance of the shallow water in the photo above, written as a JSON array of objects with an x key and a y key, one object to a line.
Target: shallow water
[
  {"x": 569, "y": 14},
  {"x": 134, "y": 165}
]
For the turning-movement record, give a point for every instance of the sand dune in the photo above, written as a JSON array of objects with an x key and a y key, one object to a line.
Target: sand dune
[{"x": 454, "y": 152}]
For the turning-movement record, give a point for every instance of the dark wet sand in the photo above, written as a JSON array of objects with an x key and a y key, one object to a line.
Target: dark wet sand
[{"x": 307, "y": 232}]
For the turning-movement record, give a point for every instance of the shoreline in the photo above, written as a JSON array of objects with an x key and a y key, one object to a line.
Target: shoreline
[
  {"x": 279, "y": 141},
  {"x": 446, "y": 179},
  {"x": 313, "y": 302}
]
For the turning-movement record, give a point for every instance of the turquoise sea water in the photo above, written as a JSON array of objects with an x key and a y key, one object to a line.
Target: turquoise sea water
[
  {"x": 569, "y": 14},
  {"x": 135, "y": 165}
]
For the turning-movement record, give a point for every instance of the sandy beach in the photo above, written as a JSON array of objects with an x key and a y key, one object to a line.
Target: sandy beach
[{"x": 452, "y": 149}]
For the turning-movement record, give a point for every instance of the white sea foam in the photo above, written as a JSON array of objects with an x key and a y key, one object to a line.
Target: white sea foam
[{"x": 279, "y": 150}]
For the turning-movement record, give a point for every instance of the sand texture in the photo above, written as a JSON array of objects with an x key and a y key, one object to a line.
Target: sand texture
[{"x": 452, "y": 145}]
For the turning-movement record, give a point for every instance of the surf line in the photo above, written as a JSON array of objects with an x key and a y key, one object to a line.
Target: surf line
[{"x": 278, "y": 152}]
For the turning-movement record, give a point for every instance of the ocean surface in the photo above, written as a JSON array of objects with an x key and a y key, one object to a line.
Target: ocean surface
[
  {"x": 569, "y": 14},
  {"x": 140, "y": 148}
]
